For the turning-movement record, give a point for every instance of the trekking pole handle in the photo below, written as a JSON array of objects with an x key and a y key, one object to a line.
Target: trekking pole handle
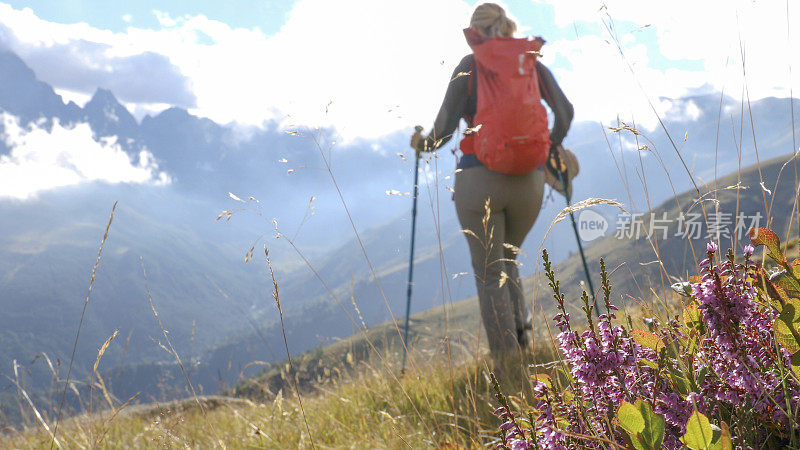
[{"x": 416, "y": 138}]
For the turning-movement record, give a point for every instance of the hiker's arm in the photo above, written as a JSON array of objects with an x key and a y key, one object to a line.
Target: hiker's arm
[
  {"x": 452, "y": 109},
  {"x": 558, "y": 103}
]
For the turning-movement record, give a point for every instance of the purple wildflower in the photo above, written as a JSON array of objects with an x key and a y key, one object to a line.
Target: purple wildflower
[{"x": 729, "y": 361}]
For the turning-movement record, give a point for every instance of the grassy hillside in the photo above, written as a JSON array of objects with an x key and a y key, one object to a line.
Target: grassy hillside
[
  {"x": 636, "y": 178},
  {"x": 353, "y": 396},
  {"x": 637, "y": 281},
  {"x": 369, "y": 411},
  {"x": 354, "y": 385}
]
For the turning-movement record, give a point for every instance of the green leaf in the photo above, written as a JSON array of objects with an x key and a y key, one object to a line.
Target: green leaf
[
  {"x": 777, "y": 295},
  {"x": 784, "y": 335},
  {"x": 770, "y": 240},
  {"x": 648, "y": 363},
  {"x": 674, "y": 350},
  {"x": 691, "y": 316},
  {"x": 634, "y": 442},
  {"x": 786, "y": 282},
  {"x": 630, "y": 418},
  {"x": 544, "y": 378},
  {"x": 701, "y": 375},
  {"x": 716, "y": 443},
  {"x": 699, "y": 435},
  {"x": 791, "y": 311},
  {"x": 795, "y": 360},
  {"x": 787, "y": 326},
  {"x": 716, "y": 437},
  {"x": 691, "y": 347},
  {"x": 654, "y": 425},
  {"x": 681, "y": 383},
  {"x": 648, "y": 339},
  {"x": 795, "y": 266}
]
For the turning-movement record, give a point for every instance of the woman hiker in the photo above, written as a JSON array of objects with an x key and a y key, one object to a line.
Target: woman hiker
[{"x": 504, "y": 116}]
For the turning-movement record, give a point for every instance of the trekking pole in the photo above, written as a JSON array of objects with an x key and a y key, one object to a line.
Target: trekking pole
[
  {"x": 418, "y": 129},
  {"x": 577, "y": 237}
]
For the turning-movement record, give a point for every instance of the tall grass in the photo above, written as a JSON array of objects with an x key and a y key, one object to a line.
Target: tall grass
[
  {"x": 80, "y": 325},
  {"x": 364, "y": 410}
]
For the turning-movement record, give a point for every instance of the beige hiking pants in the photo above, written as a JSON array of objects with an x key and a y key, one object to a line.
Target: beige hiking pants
[{"x": 514, "y": 202}]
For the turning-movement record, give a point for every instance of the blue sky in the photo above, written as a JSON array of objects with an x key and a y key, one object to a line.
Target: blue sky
[
  {"x": 268, "y": 15},
  {"x": 383, "y": 66}
]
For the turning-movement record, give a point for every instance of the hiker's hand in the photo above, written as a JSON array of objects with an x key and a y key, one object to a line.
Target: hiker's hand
[
  {"x": 417, "y": 140},
  {"x": 555, "y": 164}
]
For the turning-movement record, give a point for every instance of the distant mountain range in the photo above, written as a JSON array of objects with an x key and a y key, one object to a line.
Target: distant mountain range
[{"x": 219, "y": 311}]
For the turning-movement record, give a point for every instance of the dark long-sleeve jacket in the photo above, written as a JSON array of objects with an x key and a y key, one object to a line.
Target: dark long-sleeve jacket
[{"x": 459, "y": 104}]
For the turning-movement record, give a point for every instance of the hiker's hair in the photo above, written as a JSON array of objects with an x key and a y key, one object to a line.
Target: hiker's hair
[{"x": 491, "y": 19}]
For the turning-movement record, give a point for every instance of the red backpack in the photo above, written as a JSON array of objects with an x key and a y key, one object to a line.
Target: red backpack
[{"x": 511, "y": 134}]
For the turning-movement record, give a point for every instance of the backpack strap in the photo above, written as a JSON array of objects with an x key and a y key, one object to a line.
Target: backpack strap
[
  {"x": 466, "y": 145},
  {"x": 472, "y": 86}
]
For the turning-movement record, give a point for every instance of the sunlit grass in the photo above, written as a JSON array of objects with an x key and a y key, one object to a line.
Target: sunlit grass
[{"x": 368, "y": 410}]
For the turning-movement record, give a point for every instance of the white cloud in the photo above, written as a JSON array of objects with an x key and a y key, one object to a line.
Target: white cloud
[
  {"x": 366, "y": 57},
  {"x": 366, "y": 67},
  {"x": 41, "y": 159},
  {"x": 80, "y": 58},
  {"x": 705, "y": 32},
  {"x": 682, "y": 110},
  {"x": 139, "y": 110},
  {"x": 385, "y": 65},
  {"x": 68, "y": 95}
]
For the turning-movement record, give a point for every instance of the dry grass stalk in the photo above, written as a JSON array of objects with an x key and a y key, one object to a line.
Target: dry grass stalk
[
  {"x": 116, "y": 411},
  {"x": 364, "y": 251},
  {"x": 80, "y": 323},
  {"x": 171, "y": 350},
  {"x": 103, "y": 349},
  {"x": 279, "y": 234},
  {"x": 276, "y": 296},
  {"x": 362, "y": 327},
  {"x": 36, "y": 412},
  {"x": 585, "y": 204}
]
